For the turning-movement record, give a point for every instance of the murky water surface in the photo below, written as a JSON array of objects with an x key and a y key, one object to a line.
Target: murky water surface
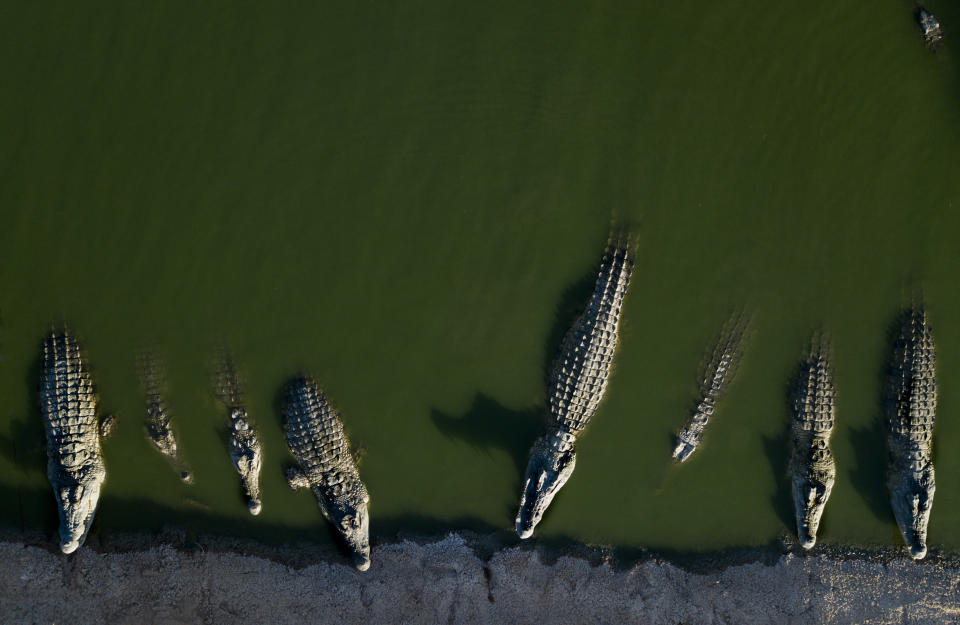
[{"x": 410, "y": 202}]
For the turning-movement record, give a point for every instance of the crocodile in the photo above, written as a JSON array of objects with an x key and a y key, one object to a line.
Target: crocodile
[
  {"x": 316, "y": 438},
  {"x": 75, "y": 465},
  {"x": 812, "y": 465},
  {"x": 577, "y": 382},
  {"x": 932, "y": 33},
  {"x": 159, "y": 430},
  {"x": 910, "y": 408},
  {"x": 246, "y": 453},
  {"x": 718, "y": 374}
]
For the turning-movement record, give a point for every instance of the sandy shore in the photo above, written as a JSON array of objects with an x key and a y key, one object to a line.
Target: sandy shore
[{"x": 444, "y": 581}]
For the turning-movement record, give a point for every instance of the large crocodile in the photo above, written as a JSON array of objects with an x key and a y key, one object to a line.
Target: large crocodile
[
  {"x": 812, "y": 466},
  {"x": 159, "y": 430},
  {"x": 75, "y": 463},
  {"x": 578, "y": 379},
  {"x": 244, "y": 444},
  {"x": 910, "y": 409},
  {"x": 718, "y": 374},
  {"x": 315, "y": 436}
]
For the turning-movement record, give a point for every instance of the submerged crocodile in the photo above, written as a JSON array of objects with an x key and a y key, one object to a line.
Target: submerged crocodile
[
  {"x": 315, "y": 436},
  {"x": 811, "y": 465},
  {"x": 244, "y": 443},
  {"x": 932, "y": 33},
  {"x": 910, "y": 409},
  {"x": 718, "y": 374},
  {"x": 578, "y": 379},
  {"x": 75, "y": 463},
  {"x": 159, "y": 430}
]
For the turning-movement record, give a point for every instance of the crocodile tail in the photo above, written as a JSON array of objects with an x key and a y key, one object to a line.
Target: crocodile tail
[
  {"x": 151, "y": 372},
  {"x": 227, "y": 381},
  {"x": 721, "y": 366}
]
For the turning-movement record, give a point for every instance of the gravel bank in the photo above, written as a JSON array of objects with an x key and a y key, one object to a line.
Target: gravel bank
[{"x": 445, "y": 582}]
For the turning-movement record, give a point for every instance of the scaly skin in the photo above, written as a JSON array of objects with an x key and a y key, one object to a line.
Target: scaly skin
[
  {"x": 75, "y": 463},
  {"x": 316, "y": 438},
  {"x": 246, "y": 453},
  {"x": 718, "y": 374},
  {"x": 159, "y": 430},
  {"x": 910, "y": 410},
  {"x": 578, "y": 380},
  {"x": 812, "y": 466}
]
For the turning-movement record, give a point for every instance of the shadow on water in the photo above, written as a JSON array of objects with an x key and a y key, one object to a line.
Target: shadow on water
[
  {"x": 490, "y": 425},
  {"x": 777, "y": 450},
  {"x": 25, "y": 444},
  {"x": 869, "y": 471},
  {"x": 870, "y": 443},
  {"x": 572, "y": 303},
  {"x": 130, "y": 524}
]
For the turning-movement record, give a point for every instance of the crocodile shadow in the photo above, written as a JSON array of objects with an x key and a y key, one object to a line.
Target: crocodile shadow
[
  {"x": 24, "y": 444},
  {"x": 134, "y": 524},
  {"x": 488, "y": 424},
  {"x": 777, "y": 450},
  {"x": 869, "y": 475}
]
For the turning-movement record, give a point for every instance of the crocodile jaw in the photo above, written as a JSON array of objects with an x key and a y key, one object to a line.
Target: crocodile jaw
[
  {"x": 809, "y": 499},
  {"x": 77, "y": 504},
  {"x": 911, "y": 496},
  {"x": 552, "y": 461}
]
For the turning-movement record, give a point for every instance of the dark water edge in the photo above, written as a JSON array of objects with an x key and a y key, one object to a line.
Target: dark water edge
[{"x": 300, "y": 547}]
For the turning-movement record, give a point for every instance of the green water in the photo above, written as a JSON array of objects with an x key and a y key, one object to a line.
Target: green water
[{"x": 409, "y": 201}]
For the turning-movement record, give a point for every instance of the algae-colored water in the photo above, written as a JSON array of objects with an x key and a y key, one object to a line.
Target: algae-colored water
[{"x": 410, "y": 202}]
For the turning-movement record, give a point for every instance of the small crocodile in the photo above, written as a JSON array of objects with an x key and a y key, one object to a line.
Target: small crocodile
[
  {"x": 812, "y": 466},
  {"x": 910, "y": 409},
  {"x": 244, "y": 444},
  {"x": 75, "y": 466},
  {"x": 159, "y": 430},
  {"x": 578, "y": 379},
  {"x": 718, "y": 374},
  {"x": 932, "y": 33},
  {"x": 316, "y": 438}
]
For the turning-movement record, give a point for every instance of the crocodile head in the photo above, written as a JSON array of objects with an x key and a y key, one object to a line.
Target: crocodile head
[
  {"x": 76, "y": 502},
  {"x": 810, "y": 494},
  {"x": 552, "y": 460},
  {"x": 353, "y": 522},
  {"x": 911, "y": 496}
]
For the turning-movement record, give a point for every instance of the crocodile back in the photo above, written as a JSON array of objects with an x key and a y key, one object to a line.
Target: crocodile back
[
  {"x": 814, "y": 408},
  {"x": 68, "y": 403},
  {"x": 912, "y": 402},
  {"x": 814, "y": 412},
  {"x": 313, "y": 429},
  {"x": 581, "y": 369}
]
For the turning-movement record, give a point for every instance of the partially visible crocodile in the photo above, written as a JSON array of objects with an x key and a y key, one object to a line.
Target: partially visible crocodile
[
  {"x": 244, "y": 444},
  {"x": 75, "y": 463},
  {"x": 718, "y": 374},
  {"x": 315, "y": 436},
  {"x": 159, "y": 430},
  {"x": 910, "y": 410},
  {"x": 578, "y": 379},
  {"x": 812, "y": 466},
  {"x": 932, "y": 33}
]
